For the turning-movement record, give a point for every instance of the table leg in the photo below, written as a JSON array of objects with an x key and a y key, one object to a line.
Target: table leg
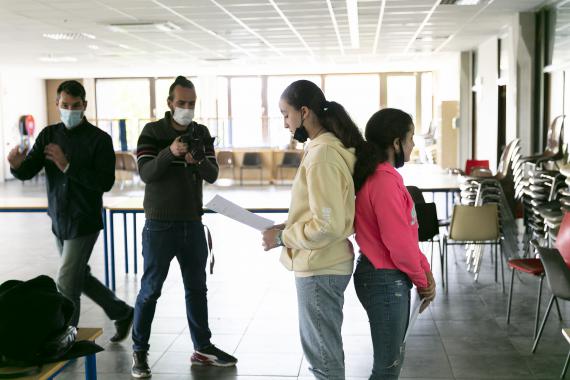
[
  {"x": 135, "y": 241},
  {"x": 90, "y": 367},
  {"x": 105, "y": 248},
  {"x": 125, "y": 241},
  {"x": 112, "y": 243}
]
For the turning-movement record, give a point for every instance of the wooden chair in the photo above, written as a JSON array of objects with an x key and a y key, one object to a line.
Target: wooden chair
[
  {"x": 251, "y": 160},
  {"x": 226, "y": 161},
  {"x": 291, "y": 160}
]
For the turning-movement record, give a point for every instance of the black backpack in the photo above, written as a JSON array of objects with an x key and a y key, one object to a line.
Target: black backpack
[{"x": 34, "y": 324}]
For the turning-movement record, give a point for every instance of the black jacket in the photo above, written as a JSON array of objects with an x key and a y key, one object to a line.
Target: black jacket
[{"x": 75, "y": 198}]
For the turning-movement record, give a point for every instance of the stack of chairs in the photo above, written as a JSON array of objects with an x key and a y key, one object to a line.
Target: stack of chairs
[{"x": 481, "y": 188}]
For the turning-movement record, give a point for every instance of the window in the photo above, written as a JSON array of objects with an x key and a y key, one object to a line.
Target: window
[
  {"x": 127, "y": 99},
  {"x": 426, "y": 101},
  {"x": 221, "y": 124},
  {"x": 161, "y": 87},
  {"x": 402, "y": 93},
  {"x": 246, "y": 112},
  {"x": 359, "y": 94},
  {"x": 279, "y": 136}
]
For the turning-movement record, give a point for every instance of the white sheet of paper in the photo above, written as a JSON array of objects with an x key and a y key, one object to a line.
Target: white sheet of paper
[
  {"x": 223, "y": 206},
  {"x": 415, "y": 304}
]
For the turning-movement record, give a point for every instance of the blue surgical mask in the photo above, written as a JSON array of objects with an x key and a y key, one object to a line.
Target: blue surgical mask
[{"x": 71, "y": 118}]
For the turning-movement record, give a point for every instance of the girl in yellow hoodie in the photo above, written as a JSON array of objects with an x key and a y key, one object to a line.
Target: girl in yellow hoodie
[{"x": 321, "y": 215}]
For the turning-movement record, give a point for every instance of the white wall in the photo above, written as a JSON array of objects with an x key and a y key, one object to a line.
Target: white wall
[
  {"x": 487, "y": 102},
  {"x": 20, "y": 94}
]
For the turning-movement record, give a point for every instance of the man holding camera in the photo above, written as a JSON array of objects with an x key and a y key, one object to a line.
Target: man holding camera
[{"x": 174, "y": 155}]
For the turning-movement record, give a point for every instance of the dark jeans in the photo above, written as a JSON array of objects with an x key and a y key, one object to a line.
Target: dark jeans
[
  {"x": 162, "y": 241},
  {"x": 385, "y": 294},
  {"x": 74, "y": 277}
]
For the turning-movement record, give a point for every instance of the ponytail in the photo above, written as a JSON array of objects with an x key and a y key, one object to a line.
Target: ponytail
[
  {"x": 331, "y": 115},
  {"x": 368, "y": 156},
  {"x": 382, "y": 129},
  {"x": 336, "y": 120}
]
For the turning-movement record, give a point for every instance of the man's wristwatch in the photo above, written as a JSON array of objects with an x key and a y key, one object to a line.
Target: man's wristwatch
[{"x": 278, "y": 239}]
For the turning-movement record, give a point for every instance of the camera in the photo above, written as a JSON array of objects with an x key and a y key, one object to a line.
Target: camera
[{"x": 196, "y": 142}]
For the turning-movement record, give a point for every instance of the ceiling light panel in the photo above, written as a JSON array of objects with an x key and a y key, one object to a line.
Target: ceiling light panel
[{"x": 69, "y": 36}]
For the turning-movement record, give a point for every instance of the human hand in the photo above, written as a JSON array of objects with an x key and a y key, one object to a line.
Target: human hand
[
  {"x": 280, "y": 227},
  {"x": 269, "y": 238},
  {"x": 15, "y": 157},
  {"x": 178, "y": 148},
  {"x": 189, "y": 158},
  {"x": 54, "y": 153},
  {"x": 428, "y": 293}
]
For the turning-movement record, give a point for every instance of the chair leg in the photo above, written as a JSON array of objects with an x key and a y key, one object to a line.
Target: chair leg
[
  {"x": 537, "y": 339},
  {"x": 431, "y": 254},
  {"x": 446, "y": 267},
  {"x": 539, "y": 299},
  {"x": 500, "y": 257},
  {"x": 565, "y": 366},
  {"x": 558, "y": 309},
  {"x": 510, "y": 296},
  {"x": 440, "y": 261},
  {"x": 495, "y": 262}
]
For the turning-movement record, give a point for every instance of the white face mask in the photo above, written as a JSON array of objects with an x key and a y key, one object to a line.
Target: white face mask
[
  {"x": 183, "y": 116},
  {"x": 71, "y": 118}
]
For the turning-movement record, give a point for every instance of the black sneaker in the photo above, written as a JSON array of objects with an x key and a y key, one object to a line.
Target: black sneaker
[
  {"x": 140, "y": 368},
  {"x": 123, "y": 327},
  {"x": 212, "y": 355}
]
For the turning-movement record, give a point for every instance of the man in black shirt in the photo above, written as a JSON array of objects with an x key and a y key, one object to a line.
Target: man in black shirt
[
  {"x": 79, "y": 162},
  {"x": 174, "y": 155}
]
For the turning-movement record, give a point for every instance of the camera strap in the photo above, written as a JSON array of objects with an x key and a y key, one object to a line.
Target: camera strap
[{"x": 210, "y": 248}]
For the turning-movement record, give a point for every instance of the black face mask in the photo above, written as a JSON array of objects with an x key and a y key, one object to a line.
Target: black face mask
[
  {"x": 301, "y": 133},
  {"x": 399, "y": 157}
]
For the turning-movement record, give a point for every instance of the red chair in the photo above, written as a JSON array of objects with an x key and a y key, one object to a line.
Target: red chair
[
  {"x": 471, "y": 164},
  {"x": 534, "y": 267}
]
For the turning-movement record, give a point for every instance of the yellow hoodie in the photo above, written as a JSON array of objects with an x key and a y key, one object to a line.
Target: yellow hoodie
[{"x": 321, "y": 213}]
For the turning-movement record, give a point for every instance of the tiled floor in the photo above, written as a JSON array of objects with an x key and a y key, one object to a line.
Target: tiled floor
[{"x": 463, "y": 335}]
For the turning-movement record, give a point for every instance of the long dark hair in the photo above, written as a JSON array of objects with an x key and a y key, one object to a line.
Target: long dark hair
[
  {"x": 332, "y": 115},
  {"x": 382, "y": 129}
]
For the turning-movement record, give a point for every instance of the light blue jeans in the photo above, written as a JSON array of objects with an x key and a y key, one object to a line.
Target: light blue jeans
[
  {"x": 320, "y": 300},
  {"x": 385, "y": 294}
]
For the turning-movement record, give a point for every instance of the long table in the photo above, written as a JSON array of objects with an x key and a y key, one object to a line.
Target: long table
[
  {"x": 133, "y": 206},
  {"x": 428, "y": 178}
]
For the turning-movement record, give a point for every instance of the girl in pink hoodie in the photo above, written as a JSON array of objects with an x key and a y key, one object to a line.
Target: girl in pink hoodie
[{"x": 387, "y": 233}]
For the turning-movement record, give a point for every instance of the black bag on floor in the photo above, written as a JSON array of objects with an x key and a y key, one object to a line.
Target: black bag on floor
[{"x": 34, "y": 324}]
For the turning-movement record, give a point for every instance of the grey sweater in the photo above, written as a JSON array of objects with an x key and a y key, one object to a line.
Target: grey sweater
[{"x": 173, "y": 189}]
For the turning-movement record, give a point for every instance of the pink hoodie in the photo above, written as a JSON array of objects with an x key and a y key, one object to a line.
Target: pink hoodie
[{"x": 386, "y": 225}]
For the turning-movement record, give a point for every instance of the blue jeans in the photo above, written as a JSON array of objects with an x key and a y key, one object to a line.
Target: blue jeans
[
  {"x": 320, "y": 300},
  {"x": 74, "y": 277},
  {"x": 385, "y": 294},
  {"x": 162, "y": 241}
]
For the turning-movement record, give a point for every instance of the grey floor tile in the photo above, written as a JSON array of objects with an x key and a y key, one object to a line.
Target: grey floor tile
[
  {"x": 269, "y": 364},
  {"x": 510, "y": 366},
  {"x": 422, "y": 364},
  {"x": 482, "y": 345}
]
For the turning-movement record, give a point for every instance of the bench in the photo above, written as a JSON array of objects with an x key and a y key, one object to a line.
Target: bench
[{"x": 51, "y": 370}]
